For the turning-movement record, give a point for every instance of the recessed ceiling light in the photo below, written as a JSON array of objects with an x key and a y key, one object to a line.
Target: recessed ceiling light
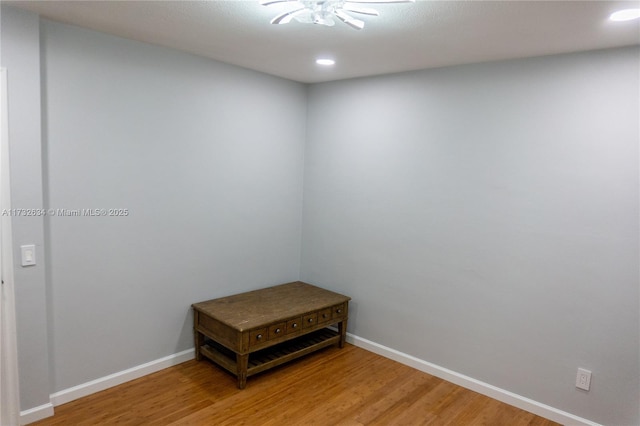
[
  {"x": 326, "y": 62},
  {"x": 625, "y": 15}
]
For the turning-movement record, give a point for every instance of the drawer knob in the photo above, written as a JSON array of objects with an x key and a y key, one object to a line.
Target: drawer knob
[
  {"x": 277, "y": 330},
  {"x": 259, "y": 336},
  {"x": 310, "y": 319},
  {"x": 339, "y": 311},
  {"x": 324, "y": 315},
  {"x": 294, "y": 325}
]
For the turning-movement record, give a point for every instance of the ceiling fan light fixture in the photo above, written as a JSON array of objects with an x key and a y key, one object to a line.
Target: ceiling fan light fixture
[{"x": 323, "y": 12}]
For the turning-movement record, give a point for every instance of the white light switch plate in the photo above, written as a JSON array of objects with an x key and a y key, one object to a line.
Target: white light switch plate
[{"x": 28, "y": 255}]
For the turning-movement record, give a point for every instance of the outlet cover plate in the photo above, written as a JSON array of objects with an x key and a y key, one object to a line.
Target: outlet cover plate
[{"x": 583, "y": 379}]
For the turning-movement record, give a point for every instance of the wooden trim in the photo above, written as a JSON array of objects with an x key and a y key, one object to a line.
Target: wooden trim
[{"x": 9, "y": 379}]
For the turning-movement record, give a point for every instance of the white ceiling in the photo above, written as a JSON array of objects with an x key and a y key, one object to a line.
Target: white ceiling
[{"x": 405, "y": 36}]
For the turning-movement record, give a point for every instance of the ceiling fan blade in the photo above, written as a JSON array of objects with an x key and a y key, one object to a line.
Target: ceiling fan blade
[
  {"x": 269, "y": 2},
  {"x": 352, "y": 22},
  {"x": 381, "y": 1},
  {"x": 362, "y": 10},
  {"x": 285, "y": 18}
]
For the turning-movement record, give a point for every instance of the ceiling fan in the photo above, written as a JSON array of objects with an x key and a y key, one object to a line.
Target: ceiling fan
[{"x": 324, "y": 12}]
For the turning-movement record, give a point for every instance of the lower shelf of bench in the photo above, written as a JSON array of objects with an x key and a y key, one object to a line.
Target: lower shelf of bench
[{"x": 273, "y": 356}]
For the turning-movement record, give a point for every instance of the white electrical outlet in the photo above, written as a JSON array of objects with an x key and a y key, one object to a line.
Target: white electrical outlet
[{"x": 583, "y": 379}]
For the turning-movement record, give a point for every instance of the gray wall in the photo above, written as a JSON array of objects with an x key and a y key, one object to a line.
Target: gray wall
[
  {"x": 206, "y": 157},
  {"x": 485, "y": 218},
  {"x": 20, "y": 54}
]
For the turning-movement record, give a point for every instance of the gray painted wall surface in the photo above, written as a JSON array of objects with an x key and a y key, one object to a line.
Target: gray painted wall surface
[
  {"x": 20, "y": 55},
  {"x": 206, "y": 157},
  {"x": 485, "y": 218}
]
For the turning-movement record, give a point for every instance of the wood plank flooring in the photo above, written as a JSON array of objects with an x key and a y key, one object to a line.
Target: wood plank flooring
[{"x": 349, "y": 386}]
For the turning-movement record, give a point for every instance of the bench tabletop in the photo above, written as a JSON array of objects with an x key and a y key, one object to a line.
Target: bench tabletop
[{"x": 264, "y": 306}]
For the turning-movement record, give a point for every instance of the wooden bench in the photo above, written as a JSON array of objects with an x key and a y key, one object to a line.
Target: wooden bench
[{"x": 252, "y": 332}]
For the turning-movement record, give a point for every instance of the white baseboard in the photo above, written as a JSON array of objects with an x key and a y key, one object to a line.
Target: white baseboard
[
  {"x": 37, "y": 413},
  {"x": 85, "y": 389},
  {"x": 491, "y": 391},
  {"x": 115, "y": 379}
]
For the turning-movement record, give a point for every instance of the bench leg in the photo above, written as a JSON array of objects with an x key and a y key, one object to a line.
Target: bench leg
[
  {"x": 242, "y": 362},
  {"x": 342, "y": 329}
]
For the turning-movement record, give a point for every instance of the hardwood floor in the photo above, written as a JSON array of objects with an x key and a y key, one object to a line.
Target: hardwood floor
[{"x": 349, "y": 386}]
